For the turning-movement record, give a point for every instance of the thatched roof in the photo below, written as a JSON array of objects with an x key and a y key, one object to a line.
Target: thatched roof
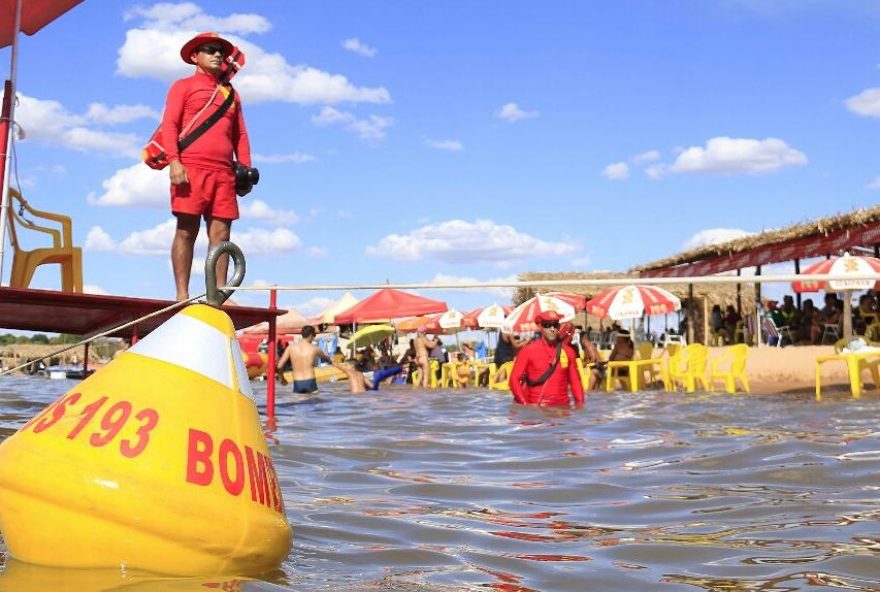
[
  {"x": 817, "y": 227},
  {"x": 722, "y": 294}
]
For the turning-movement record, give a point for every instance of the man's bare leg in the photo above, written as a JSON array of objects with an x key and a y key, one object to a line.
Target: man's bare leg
[
  {"x": 182, "y": 252},
  {"x": 219, "y": 231}
]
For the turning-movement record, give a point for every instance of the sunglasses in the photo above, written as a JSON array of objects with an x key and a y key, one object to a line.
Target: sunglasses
[
  {"x": 211, "y": 49},
  {"x": 550, "y": 324}
]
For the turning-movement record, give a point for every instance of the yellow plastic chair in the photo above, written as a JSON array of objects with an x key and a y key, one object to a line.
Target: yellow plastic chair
[
  {"x": 433, "y": 382},
  {"x": 734, "y": 358},
  {"x": 645, "y": 351},
  {"x": 688, "y": 367},
  {"x": 454, "y": 379},
  {"x": 62, "y": 251},
  {"x": 501, "y": 385},
  {"x": 863, "y": 364}
]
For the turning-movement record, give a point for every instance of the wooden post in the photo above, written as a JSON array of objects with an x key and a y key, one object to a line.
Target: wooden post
[
  {"x": 739, "y": 295},
  {"x": 270, "y": 371},
  {"x": 797, "y": 270},
  {"x": 690, "y": 313}
]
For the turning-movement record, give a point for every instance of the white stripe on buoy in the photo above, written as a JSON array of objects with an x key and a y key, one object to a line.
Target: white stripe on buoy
[{"x": 195, "y": 345}]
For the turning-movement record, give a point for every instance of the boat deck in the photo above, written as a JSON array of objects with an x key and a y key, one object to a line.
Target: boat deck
[{"x": 89, "y": 314}]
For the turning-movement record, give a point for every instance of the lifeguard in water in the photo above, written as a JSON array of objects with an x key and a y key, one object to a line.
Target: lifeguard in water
[{"x": 545, "y": 368}]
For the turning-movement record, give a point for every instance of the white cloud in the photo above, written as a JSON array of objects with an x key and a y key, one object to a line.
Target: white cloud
[
  {"x": 253, "y": 241},
  {"x": 137, "y": 185},
  {"x": 459, "y": 241},
  {"x": 259, "y": 241},
  {"x": 507, "y": 293},
  {"x": 99, "y": 240},
  {"x": 713, "y": 236},
  {"x": 260, "y": 210},
  {"x": 48, "y": 121},
  {"x": 738, "y": 155},
  {"x": 372, "y": 128},
  {"x": 359, "y": 47},
  {"x": 644, "y": 157},
  {"x": 511, "y": 112},
  {"x": 312, "y": 306},
  {"x": 875, "y": 184},
  {"x": 317, "y": 252},
  {"x": 93, "y": 289},
  {"x": 168, "y": 16},
  {"x": 152, "y": 49},
  {"x": 865, "y": 103},
  {"x": 293, "y": 158},
  {"x": 656, "y": 171},
  {"x": 155, "y": 240},
  {"x": 449, "y": 145},
  {"x": 616, "y": 171},
  {"x": 101, "y": 113}
]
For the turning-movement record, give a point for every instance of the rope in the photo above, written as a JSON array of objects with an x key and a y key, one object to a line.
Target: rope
[
  {"x": 618, "y": 281},
  {"x": 103, "y": 334}
]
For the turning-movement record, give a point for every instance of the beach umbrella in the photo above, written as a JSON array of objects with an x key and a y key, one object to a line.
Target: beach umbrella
[
  {"x": 370, "y": 335},
  {"x": 491, "y": 317},
  {"x": 851, "y": 265},
  {"x": 522, "y": 318},
  {"x": 631, "y": 302},
  {"x": 290, "y": 322},
  {"x": 389, "y": 303},
  {"x": 412, "y": 324},
  {"x": 577, "y": 301},
  {"x": 328, "y": 315}
]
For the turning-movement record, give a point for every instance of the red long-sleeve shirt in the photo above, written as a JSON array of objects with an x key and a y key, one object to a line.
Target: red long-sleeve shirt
[
  {"x": 214, "y": 149},
  {"x": 533, "y": 360}
]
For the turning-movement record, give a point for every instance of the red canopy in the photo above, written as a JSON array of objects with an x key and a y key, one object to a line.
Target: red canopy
[
  {"x": 388, "y": 303},
  {"x": 35, "y": 14}
]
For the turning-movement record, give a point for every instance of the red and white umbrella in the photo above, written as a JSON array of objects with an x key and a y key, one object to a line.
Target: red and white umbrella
[
  {"x": 847, "y": 265},
  {"x": 631, "y": 302},
  {"x": 577, "y": 301},
  {"x": 843, "y": 266},
  {"x": 490, "y": 317},
  {"x": 452, "y": 320},
  {"x": 522, "y": 318}
]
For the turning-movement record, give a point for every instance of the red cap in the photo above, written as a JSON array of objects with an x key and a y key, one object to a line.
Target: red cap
[
  {"x": 548, "y": 315},
  {"x": 202, "y": 39}
]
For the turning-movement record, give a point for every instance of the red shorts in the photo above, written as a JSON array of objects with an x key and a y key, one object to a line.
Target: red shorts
[{"x": 208, "y": 193}]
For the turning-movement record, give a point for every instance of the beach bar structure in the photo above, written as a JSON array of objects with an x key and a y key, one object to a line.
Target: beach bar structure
[
  {"x": 697, "y": 298},
  {"x": 857, "y": 233}
]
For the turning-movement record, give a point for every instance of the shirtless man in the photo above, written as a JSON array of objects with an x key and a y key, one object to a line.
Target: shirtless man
[
  {"x": 423, "y": 345},
  {"x": 302, "y": 356}
]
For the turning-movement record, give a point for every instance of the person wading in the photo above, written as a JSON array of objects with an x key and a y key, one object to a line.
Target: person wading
[
  {"x": 545, "y": 369},
  {"x": 302, "y": 355}
]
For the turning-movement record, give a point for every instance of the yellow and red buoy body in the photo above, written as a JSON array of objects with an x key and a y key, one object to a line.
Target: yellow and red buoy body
[{"x": 156, "y": 462}]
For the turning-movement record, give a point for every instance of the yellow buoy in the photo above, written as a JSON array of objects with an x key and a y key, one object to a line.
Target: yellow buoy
[{"x": 156, "y": 462}]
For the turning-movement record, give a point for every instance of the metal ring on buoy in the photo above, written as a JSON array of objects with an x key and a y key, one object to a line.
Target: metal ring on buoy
[{"x": 216, "y": 296}]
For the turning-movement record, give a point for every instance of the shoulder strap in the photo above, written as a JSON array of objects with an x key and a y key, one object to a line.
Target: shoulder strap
[
  {"x": 206, "y": 125},
  {"x": 549, "y": 372}
]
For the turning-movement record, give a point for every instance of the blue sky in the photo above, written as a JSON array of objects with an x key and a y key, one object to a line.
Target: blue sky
[{"x": 456, "y": 140}]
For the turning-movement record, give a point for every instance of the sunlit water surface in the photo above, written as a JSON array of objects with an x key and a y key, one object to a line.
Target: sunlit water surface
[{"x": 460, "y": 490}]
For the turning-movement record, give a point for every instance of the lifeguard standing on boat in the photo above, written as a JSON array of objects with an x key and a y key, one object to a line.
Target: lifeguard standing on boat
[{"x": 545, "y": 369}]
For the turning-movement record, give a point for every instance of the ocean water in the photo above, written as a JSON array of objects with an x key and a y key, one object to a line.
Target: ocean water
[{"x": 460, "y": 490}]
